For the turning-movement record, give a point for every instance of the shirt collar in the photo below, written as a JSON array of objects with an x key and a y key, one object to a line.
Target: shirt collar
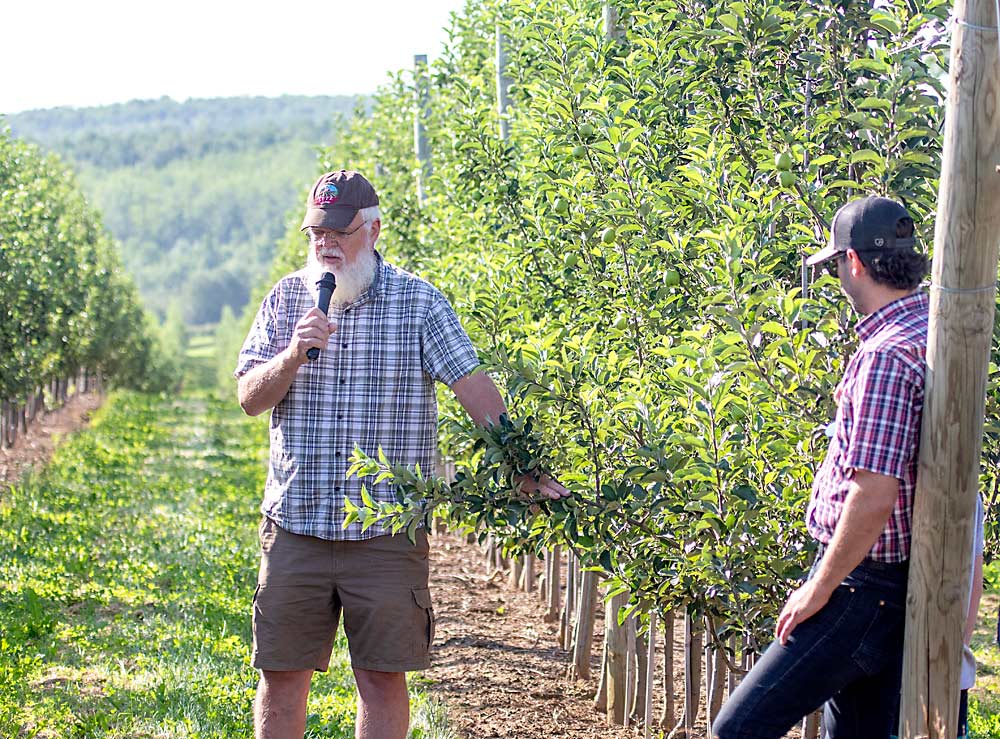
[{"x": 871, "y": 323}]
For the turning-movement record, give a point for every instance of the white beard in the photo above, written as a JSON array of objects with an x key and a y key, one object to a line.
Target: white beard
[{"x": 352, "y": 279}]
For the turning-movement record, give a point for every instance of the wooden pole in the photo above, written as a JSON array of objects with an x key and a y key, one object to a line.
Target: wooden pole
[
  {"x": 552, "y": 584},
  {"x": 962, "y": 307},
  {"x": 584, "y": 633},
  {"x": 647, "y": 708},
  {"x": 420, "y": 147},
  {"x": 616, "y": 637},
  {"x": 569, "y": 607},
  {"x": 692, "y": 673},
  {"x": 503, "y": 83},
  {"x": 528, "y": 573},
  {"x": 810, "y": 725},
  {"x": 668, "y": 715},
  {"x": 612, "y": 29}
]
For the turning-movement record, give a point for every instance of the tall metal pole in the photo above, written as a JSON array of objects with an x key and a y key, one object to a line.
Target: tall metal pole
[
  {"x": 962, "y": 308},
  {"x": 420, "y": 147},
  {"x": 612, "y": 29},
  {"x": 503, "y": 83}
]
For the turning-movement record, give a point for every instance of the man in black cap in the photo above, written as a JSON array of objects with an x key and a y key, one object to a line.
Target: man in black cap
[
  {"x": 387, "y": 337},
  {"x": 840, "y": 635}
]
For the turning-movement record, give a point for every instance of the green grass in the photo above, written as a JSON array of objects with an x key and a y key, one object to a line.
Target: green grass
[
  {"x": 127, "y": 569},
  {"x": 984, "y": 699}
]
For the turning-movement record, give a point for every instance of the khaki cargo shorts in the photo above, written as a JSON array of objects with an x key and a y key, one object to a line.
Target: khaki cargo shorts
[{"x": 305, "y": 583}]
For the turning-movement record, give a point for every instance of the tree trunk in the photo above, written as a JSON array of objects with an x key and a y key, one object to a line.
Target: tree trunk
[
  {"x": 668, "y": 716},
  {"x": 810, "y": 726},
  {"x": 641, "y": 687},
  {"x": 616, "y": 636},
  {"x": 516, "y": 567},
  {"x": 649, "y": 677},
  {"x": 572, "y": 593},
  {"x": 583, "y": 636},
  {"x": 528, "y": 573},
  {"x": 601, "y": 696},
  {"x": 552, "y": 583},
  {"x": 692, "y": 673},
  {"x": 717, "y": 685},
  {"x": 3, "y": 424},
  {"x": 732, "y": 674}
]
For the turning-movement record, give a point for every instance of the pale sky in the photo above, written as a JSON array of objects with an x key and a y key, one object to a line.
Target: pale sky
[{"x": 96, "y": 52}]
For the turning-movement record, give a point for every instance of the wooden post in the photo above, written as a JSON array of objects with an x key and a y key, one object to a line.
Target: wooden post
[
  {"x": 601, "y": 696},
  {"x": 616, "y": 637},
  {"x": 503, "y": 83},
  {"x": 669, "y": 715},
  {"x": 962, "y": 307},
  {"x": 516, "y": 567},
  {"x": 420, "y": 147},
  {"x": 612, "y": 29},
  {"x": 647, "y": 708},
  {"x": 715, "y": 685},
  {"x": 692, "y": 673},
  {"x": 572, "y": 589},
  {"x": 552, "y": 584},
  {"x": 491, "y": 555},
  {"x": 528, "y": 573},
  {"x": 583, "y": 636},
  {"x": 638, "y": 686},
  {"x": 810, "y": 726}
]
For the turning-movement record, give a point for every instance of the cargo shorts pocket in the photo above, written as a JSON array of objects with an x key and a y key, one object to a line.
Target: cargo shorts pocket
[{"x": 422, "y": 596}]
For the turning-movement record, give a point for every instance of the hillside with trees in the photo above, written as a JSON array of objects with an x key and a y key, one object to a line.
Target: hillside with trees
[{"x": 196, "y": 193}]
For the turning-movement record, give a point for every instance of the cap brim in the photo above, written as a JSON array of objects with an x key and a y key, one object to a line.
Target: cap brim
[
  {"x": 823, "y": 255},
  {"x": 333, "y": 218}
]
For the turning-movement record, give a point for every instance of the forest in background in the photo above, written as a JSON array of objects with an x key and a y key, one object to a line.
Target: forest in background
[{"x": 196, "y": 193}]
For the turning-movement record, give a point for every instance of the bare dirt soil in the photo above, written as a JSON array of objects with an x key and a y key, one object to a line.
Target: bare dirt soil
[
  {"x": 33, "y": 449},
  {"x": 497, "y": 665}
]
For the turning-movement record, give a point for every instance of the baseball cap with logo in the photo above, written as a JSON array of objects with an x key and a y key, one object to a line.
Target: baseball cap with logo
[
  {"x": 870, "y": 226},
  {"x": 336, "y": 198}
]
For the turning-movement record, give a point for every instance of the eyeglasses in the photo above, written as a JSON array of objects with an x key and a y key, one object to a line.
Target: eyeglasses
[
  {"x": 832, "y": 266},
  {"x": 319, "y": 234}
]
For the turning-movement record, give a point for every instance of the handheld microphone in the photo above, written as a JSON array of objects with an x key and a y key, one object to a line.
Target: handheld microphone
[{"x": 326, "y": 284}]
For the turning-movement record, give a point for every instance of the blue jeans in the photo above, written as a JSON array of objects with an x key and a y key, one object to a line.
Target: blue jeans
[{"x": 849, "y": 656}]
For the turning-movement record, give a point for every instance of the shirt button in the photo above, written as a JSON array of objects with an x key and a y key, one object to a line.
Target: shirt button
[
  {"x": 343, "y": 382},
  {"x": 344, "y": 345},
  {"x": 340, "y": 416},
  {"x": 336, "y": 454},
  {"x": 336, "y": 489}
]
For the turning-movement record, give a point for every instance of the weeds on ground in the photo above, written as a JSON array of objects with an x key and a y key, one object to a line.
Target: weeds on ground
[{"x": 127, "y": 569}]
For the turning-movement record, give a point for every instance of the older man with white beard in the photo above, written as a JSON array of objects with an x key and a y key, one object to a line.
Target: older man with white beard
[{"x": 387, "y": 337}]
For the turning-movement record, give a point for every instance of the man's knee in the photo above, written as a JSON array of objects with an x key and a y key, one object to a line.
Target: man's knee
[
  {"x": 379, "y": 683},
  {"x": 285, "y": 684},
  {"x": 723, "y": 727}
]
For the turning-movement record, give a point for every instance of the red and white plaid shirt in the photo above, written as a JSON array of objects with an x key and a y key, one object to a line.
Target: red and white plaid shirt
[{"x": 881, "y": 400}]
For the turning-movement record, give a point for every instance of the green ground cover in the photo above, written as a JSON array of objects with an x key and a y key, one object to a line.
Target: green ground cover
[
  {"x": 984, "y": 699},
  {"x": 127, "y": 568}
]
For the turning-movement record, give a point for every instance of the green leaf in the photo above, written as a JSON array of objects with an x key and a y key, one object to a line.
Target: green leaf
[
  {"x": 866, "y": 155},
  {"x": 728, "y": 20}
]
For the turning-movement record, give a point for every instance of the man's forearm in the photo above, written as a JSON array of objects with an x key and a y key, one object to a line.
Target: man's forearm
[
  {"x": 266, "y": 385},
  {"x": 866, "y": 510},
  {"x": 479, "y": 396}
]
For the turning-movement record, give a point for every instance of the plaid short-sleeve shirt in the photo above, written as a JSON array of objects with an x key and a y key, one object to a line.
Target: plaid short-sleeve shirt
[
  {"x": 877, "y": 427},
  {"x": 373, "y": 387}
]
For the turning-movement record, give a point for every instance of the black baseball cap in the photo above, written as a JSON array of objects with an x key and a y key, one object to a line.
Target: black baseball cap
[{"x": 868, "y": 225}]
